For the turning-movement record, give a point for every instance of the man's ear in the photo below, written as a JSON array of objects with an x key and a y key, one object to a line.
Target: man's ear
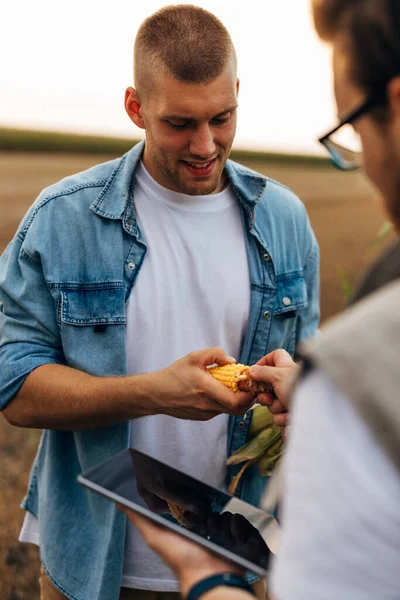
[{"x": 133, "y": 107}]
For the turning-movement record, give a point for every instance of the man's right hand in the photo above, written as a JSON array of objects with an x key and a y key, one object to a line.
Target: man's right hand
[
  {"x": 279, "y": 369},
  {"x": 60, "y": 397},
  {"x": 186, "y": 390}
]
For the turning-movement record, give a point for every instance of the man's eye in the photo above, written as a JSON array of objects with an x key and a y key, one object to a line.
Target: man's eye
[
  {"x": 220, "y": 121},
  {"x": 177, "y": 125}
]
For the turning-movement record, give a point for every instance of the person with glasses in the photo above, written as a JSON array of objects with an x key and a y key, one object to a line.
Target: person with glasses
[{"x": 341, "y": 494}]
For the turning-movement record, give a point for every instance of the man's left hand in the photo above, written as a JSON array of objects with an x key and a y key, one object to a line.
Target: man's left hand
[{"x": 190, "y": 561}]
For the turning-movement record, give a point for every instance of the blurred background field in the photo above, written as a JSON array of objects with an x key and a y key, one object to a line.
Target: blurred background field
[
  {"x": 286, "y": 102},
  {"x": 344, "y": 213}
]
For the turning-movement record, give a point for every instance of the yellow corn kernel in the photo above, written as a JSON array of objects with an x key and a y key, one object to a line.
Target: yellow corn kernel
[{"x": 230, "y": 375}]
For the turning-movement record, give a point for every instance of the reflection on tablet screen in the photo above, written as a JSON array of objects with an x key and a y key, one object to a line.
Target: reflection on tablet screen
[{"x": 204, "y": 510}]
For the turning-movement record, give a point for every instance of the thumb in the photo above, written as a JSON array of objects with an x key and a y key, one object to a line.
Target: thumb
[{"x": 263, "y": 374}]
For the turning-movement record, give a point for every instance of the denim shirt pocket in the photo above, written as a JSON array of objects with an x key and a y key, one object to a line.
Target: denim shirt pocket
[
  {"x": 93, "y": 323},
  {"x": 290, "y": 299}
]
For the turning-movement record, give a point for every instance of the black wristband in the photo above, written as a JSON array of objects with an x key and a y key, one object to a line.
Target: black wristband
[{"x": 205, "y": 585}]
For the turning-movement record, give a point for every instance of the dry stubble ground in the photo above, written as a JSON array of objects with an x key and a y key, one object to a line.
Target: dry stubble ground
[{"x": 345, "y": 218}]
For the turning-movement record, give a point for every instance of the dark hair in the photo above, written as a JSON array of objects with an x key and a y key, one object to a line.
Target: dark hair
[
  {"x": 188, "y": 42},
  {"x": 372, "y": 29}
]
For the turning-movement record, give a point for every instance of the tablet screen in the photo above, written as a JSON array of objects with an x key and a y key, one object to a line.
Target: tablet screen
[{"x": 196, "y": 507}]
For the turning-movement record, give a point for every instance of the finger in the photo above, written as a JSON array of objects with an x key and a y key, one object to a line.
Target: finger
[
  {"x": 264, "y": 374},
  {"x": 242, "y": 402},
  {"x": 282, "y": 358},
  {"x": 274, "y": 405},
  {"x": 277, "y": 358},
  {"x": 277, "y": 407},
  {"x": 265, "y": 399},
  {"x": 233, "y": 403},
  {"x": 266, "y": 360},
  {"x": 209, "y": 356},
  {"x": 282, "y": 420}
]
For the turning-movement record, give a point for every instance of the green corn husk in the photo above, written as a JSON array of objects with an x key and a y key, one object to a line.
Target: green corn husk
[
  {"x": 267, "y": 462},
  {"x": 261, "y": 419},
  {"x": 255, "y": 448},
  {"x": 264, "y": 447}
]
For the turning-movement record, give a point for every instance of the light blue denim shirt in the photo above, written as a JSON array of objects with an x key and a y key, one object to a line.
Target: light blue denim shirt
[{"x": 71, "y": 266}]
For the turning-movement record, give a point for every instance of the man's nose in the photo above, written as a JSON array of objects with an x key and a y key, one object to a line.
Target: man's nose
[{"x": 202, "y": 143}]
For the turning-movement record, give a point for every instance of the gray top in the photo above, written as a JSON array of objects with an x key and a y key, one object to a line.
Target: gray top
[{"x": 360, "y": 352}]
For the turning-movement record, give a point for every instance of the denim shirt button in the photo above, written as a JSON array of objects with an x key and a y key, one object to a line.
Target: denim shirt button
[
  {"x": 266, "y": 315},
  {"x": 286, "y": 301},
  {"x": 129, "y": 223},
  {"x": 241, "y": 424},
  {"x": 131, "y": 266},
  {"x": 267, "y": 257}
]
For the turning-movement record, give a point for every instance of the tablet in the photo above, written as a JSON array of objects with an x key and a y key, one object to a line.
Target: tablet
[{"x": 211, "y": 517}]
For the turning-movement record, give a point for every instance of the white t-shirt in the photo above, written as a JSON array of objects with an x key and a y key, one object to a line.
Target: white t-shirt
[
  {"x": 192, "y": 292},
  {"x": 341, "y": 511}
]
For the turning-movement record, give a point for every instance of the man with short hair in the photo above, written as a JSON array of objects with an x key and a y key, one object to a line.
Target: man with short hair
[
  {"x": 341, "y": 521},
  {"x": 117, "y": 276}
]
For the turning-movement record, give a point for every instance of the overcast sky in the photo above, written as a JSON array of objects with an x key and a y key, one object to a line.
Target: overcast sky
[{"x": 65, "y": 66}]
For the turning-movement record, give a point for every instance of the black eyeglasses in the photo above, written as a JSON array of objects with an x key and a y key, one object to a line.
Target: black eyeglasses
[{"x": 343, "y": 142}]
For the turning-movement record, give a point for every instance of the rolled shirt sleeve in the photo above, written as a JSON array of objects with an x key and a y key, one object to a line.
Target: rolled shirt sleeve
[{"x": 29, "y": 334}]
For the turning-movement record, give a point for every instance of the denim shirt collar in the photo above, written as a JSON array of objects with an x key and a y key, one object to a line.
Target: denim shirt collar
[
  {"x": 248, "y": 186},
  {"x": 114, "y": 200}
]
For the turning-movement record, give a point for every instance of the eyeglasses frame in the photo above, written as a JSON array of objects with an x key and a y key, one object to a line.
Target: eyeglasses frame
[{"x": 372, "y": 101}]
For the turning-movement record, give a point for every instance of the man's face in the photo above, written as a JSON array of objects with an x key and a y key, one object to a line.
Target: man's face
[
  {"x": 190, "y": 129},
  {"x": 380, "y": 141}
]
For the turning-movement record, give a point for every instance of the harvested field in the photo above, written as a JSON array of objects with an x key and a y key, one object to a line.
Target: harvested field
[{"x": 345, "y": 218}]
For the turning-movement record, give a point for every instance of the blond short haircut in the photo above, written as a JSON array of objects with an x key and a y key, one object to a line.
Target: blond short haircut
[{"x": 183, "y": 41}]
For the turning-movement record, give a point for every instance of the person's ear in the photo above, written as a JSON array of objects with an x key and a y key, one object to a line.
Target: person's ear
[
  {"x": 237, "y": 86},
  {"x": 393, "y": 95},
  {"x": 133, "y": 107}
]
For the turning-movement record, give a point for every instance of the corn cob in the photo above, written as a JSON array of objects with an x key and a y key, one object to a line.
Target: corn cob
[{"x": 236, "y": 377}]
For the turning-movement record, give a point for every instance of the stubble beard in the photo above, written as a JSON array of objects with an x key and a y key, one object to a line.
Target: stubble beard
[{"x": 173, "y": 175}]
